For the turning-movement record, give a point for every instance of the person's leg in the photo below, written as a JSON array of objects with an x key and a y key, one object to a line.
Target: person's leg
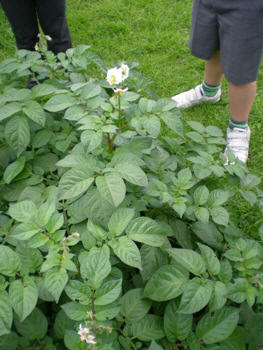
[
  {"x": 22, "y": 18},
  {"x": 213, "y": 70},
  {"x": 52, "y": 18},
  {"x": 241, "y": 99}
]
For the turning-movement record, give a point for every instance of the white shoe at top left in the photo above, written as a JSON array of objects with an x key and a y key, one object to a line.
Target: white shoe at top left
[{"x": 195, "y": 96}]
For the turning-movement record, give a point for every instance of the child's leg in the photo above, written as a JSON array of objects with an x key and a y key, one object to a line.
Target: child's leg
[
  {"x": 241, "y": 98},
  {"x": 213, "y": 70},
  {"x": 23, "y": 20},
  {"x": 52, "y": 18}
]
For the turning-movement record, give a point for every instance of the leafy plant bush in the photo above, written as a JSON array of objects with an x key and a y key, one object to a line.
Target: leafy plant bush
[{"x": 119, "y": 222}]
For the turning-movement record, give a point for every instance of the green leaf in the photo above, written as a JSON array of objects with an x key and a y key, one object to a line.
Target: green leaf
[
  {"x": 155, "y": 346},
  {"x": 9, "y": 261},
  {"x": 25, "y": 231},
  {"x": 59, "y": 103},
  {"x": 201, "y": 195},
  {"x": 249, "y": 196},
  {"x": 176, "y": 325},
  {"x": 236, "y": 341},
  {"x": 166, "y": 283},
  {"x": 146, "y": 105},
  {"x": 173, "y": 121},
  {"x": 120, "y": 220},
  {"x": 107, "y": 312},
  {"x": 45, "y": 212},
  {"x": 112, "y": 188},
  {"x": 202, "y": 214},
  {"x": 146, "y": 230},
  {"x": 196, "y": 296},
  {"x": 209, "y": 234},
  {"x": 9, "y": 109},
  {"x": 220, "y": 216},
  {"x": 134, "y": 306},
  {"x": 17, "y": 133},
  {"x": 152, "y": 259},
  {"x": 23, "y": 296},
  {"x": 75, "y": 182},
  {"x": 189, "y": 259},
  {"x": 132, "y": 173},
  {"x": 14, "y": 169},
  {"x": 218, "y": 299},
  {"x": 127, "y": 251},
  {"x": 75, "y": 311},
  {"x": 23, "y": 211},
  {"x": 35, "y": 112},
  {"x": 110, "y": 289},
  {"x": 9, "y": 341},
  {"x": 225, "y": 274},
  {"x": 153, "y": 126},
  {"x": 55, "y": 281},
  {"x": 217, "y": 198},
  {"x": 6, "y": 313},
  {"x": 95, "y": 266},
  {"x": 34, "y": 326},
  {"x": 147, "y": 329},
  {"x": 62, "y": 323},
  {"x": 210, "y": 258},
  {"x": 91, "y": 138},
  {"x": 219, "y": 326},
  {"x": 72, "y": 341},
  {"x": 196, "y": 126},
  {"x": 55, "y": 222}
]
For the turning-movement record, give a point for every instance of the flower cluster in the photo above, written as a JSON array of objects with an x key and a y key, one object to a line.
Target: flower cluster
[
  {"x": 115, "y": 75},
  {"x": 85, "y": 335}
]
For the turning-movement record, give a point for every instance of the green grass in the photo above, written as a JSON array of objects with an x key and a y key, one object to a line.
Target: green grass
[{"x": 154, "y": 33}]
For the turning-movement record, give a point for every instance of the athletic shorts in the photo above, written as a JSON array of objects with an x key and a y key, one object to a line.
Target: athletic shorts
[{"x": 235, "y": 27}]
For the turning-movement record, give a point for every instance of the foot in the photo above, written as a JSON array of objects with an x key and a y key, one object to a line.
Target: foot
[
  {"x": 238, "y": 143},
  {"x": 195, "y": 96}
]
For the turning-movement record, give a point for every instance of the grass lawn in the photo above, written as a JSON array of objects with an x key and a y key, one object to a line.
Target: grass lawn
[{"x": 154, "y": 33}]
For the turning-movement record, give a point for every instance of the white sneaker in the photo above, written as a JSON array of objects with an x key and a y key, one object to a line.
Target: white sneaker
[
  {"x": 238, "y": 143},
  {"x": 195, "y": 96}
]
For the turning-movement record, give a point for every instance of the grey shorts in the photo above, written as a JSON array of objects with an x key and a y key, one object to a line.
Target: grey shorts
[{"x": 235, "y": 27}]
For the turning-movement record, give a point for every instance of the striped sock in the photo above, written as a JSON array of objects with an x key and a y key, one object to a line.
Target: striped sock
[
  {"x": 209, "y": 90},
  {"x": 236, "y": 124}
]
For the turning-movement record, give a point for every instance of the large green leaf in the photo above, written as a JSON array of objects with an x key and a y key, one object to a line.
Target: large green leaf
[
  {"x": 134, "y": 306},
  {"x": 23, "y": 296},
  {"x": 9, "y": 261},
  {"x": 72, "y": 341},
  {"x": 75, "y": 182},
  {"x": 9, "y": 109},
  {"x": 196, "y": 296},
  {"x": 147, "y": 329},
  {"x": 14, "y": 169},
  {"x": 127, "y": 251},
  {"x": 120, "y": 220},
  {"x": 34, "y": 326},
  {"x": 55, "y": 281},
  {"x": 189, "y": 259},
  {"x": 201, "y": 195},
  {"x": 23, "y": 211},
  {"x": 35, "y": 112},
  {"x": 132, "y": 173},
  {"x": 6, "y": 313},
  {"x": 59, "y": 103},
  {"x": 110, "y": 289},
  {"x": 210, "y": 258},
  {"x": 218, "y": 299},
  {"x": 166, "y": 283},
  {"x": 17, "y": 133},
  {"x": 152, "y": 259},
  {"x": 220, "y": 216},
  {"x": 155, "y": 346},
  {"x": 25, "y": 230},
  {"x": 218, "y": 326},
  {"x": 209, "y": 234},
  {"x": 95, "y": 266},
  {"x": 112, "y": 188},
  {"x": 76, "y": 311},
  {"x": 62, "y": 323},
  {"x": 176, "y": 325},
  {"x": 146, "y": 230},
  {"x": 173, "y": 121}
]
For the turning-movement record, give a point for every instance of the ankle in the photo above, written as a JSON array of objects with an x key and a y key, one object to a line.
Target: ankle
[{"x": 210, "y": 90}]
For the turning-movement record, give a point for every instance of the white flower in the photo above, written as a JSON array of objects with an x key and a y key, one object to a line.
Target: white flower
[
  {"x": 125, "y": 71},
  {"x": 85, "y": 335},
  {"x": 120, "y": 91},
  {"x": 114, "y": 76}
]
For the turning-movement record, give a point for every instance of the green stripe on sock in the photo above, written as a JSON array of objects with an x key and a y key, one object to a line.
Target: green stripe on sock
[
  {"x": 236, "y": 124},
  {"x": 209, "y": 90}
]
